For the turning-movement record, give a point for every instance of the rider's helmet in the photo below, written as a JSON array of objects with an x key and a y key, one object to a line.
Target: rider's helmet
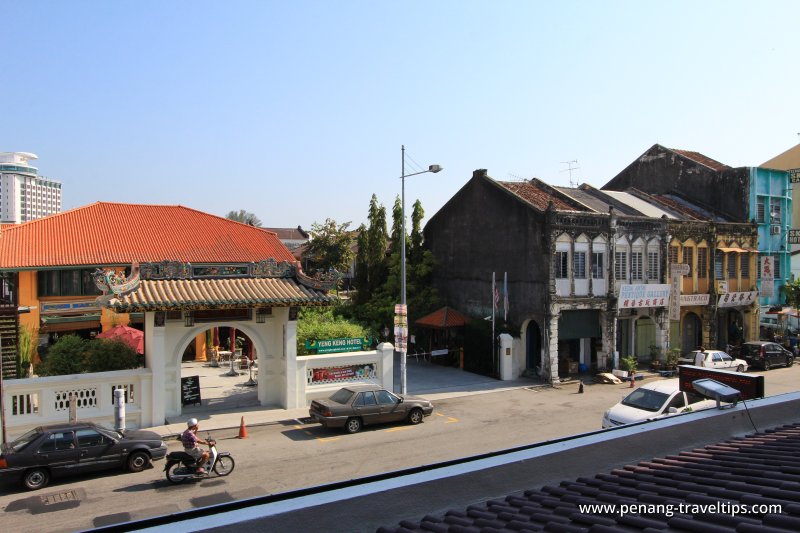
[{"x": 191, "y": 422}]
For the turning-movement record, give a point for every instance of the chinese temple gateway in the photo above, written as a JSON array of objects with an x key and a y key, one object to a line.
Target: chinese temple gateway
[{"x": 181, "y": 300}]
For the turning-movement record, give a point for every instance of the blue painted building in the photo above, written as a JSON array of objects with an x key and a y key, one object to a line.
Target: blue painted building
[{"x": 771, "y": 208}]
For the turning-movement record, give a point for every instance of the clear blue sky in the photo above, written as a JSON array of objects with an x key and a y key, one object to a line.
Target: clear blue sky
[{"x": 296, "y": 110}]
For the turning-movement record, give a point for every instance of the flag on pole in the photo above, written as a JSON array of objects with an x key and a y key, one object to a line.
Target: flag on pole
[
  {"x": 496, "y": 295},
  {"x": 505, "y": 296}
]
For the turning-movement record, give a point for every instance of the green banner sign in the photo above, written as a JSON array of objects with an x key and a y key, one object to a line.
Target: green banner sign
[{"x": 339, "y": 345}]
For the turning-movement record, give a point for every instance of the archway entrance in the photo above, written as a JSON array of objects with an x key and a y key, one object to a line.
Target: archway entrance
[
  {"x": 533, "y": 348},
  {"x": 691, "y": 336},
  {"x": 226, "y": 377}
]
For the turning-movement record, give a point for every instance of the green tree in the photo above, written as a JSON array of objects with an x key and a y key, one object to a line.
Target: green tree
[
  {"x": 792, "y": 291},
  {"x": 244, "y": 217},
  {"x": 377, "y": 240},
  {"x": 66, "y": 356},
  {"x": 105, "y": 355},
  {"x": 361, "y": 279},
  {"x": 27, "y": 347},
  {"x": 331, "y": 246}
]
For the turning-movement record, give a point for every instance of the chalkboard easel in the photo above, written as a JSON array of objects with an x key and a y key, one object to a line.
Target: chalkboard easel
[{"x": 190, "y": 391}]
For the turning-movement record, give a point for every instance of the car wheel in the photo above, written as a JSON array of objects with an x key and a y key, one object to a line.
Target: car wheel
[
  {"x": 138, "y": 461},
  {"x": 353, "y": 425},
  {"x": 36, "y": 478},
  {"x": 224, "y": 465},
  {"x": 789, "y": 361},
  {"x": 767, "y": 366},
  {"x": 740, "y": 368},
  {"x": 415, "y": 416}
]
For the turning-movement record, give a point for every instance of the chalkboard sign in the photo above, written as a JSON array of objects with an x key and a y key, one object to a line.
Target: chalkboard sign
[{"x": 190, "y": 390}]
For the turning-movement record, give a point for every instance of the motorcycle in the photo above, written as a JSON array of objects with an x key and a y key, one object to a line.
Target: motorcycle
[{"x": 181, "y": 466}]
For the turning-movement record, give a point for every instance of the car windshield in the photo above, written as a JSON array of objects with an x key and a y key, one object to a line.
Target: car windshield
[
  {"x": 342, "y": 396},
  {"x": 23, "y": 441},
  {"x": 645, "y": 399}
]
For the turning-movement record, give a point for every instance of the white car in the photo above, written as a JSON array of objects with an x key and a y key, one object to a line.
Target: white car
[
  {"x": 714, "y": 359},
  {"x": 654, "y": 400}
]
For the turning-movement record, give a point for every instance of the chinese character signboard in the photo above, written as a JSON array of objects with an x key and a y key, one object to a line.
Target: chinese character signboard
[
  {"x": 643, "y": 295},
  {"x": 675, "y": 295},
  {"x": 767, "y": 275},
  {"x": 736, "y": 299},
  {"x": 794, "y": 175}
]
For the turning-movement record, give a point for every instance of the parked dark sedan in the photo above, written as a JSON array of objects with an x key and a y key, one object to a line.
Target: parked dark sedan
[
  {"x": 66, "y": 449},
  {"x": 766, "y": 354},
  {"x": 360, "y": 405}
]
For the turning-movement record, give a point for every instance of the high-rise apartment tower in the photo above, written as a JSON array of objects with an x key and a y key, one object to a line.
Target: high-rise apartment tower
[{"x": 24, "y": 195}]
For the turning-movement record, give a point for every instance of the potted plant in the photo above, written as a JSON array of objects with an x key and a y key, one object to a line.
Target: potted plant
[
  {"x": 630, "y": 364},
  {"x": 655, "y": 361},
  {"x": 672, "y": 358}
]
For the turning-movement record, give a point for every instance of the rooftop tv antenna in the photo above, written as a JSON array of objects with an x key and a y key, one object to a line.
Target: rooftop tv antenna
[{"x": 570, "y": 168}]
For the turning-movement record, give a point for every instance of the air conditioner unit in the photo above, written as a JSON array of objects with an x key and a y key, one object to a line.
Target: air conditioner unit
[{"x": 775, "y": 229}]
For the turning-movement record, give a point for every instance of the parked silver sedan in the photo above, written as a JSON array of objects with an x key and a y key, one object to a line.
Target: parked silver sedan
[{"x": 356, "y": 406}]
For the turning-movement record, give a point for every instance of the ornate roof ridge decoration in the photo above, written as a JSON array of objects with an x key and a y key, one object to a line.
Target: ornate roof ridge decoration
[
  {"x": 323, "y": 281},
  {"x": 109, "y": 280},
  {"x": 269, "y": 268}
]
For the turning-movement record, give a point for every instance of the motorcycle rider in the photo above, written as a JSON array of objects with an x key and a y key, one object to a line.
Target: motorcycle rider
[{"x": 190, "y": 440}]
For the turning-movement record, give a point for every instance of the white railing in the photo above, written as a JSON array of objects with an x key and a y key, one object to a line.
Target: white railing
[{"x": 33, "y": 402}]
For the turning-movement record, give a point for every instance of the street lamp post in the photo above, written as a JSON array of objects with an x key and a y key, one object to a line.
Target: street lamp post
[{"x": 433, "y": 169}]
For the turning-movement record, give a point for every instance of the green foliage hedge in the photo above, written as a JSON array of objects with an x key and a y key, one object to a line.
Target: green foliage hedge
[
  {"x": 74, "y": 355},
  {"x": 322, "y": 323}
]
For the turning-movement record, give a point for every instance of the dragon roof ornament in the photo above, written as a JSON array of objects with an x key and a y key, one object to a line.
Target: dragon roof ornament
[{"x": 114, "y": 285}]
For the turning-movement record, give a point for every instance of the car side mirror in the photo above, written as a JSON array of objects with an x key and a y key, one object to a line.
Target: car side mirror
[
  {"x": 401, "y": 400},
  {"x": 672, "y": 410}
]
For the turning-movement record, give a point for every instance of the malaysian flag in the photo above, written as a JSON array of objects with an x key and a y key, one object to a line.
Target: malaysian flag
[{"x": 505, "y": 296}]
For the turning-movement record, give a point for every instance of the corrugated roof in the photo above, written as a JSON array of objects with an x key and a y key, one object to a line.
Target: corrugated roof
[
  {"x": 160, "y": 295},
  {"x": 642, "y": 206},
  {"x": 697, "y": 157},
  {"x": 760, "y": 469},
  {"x": 115, "y": 234},
  {"x": 535, "y": 195}
]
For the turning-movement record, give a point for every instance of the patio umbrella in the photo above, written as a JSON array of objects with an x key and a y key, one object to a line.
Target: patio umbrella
[{"x": 130, "y": 336}]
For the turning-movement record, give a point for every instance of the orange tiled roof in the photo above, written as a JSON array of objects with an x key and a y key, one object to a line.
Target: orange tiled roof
[
  {"x": 160, "y": 295},
  {"x": 697, "y": 157},
  {"x": 118, "y": 234},
  {"x": 445, "y": 317}
]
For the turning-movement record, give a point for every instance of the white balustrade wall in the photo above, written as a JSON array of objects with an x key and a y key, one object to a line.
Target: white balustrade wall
[{"x": 34, "y": 402}]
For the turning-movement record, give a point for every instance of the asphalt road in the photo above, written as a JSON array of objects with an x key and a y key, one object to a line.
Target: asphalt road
[{"x": 293, "y": 454}]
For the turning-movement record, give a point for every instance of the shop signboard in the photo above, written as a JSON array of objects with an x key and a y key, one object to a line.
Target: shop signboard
[
  {"x": 335, "y": 374},
  {"x": 794, "y": 236},
  {"x": 794, "y": 175},
  {"x": 643, "y": 295},
  {"x": 750, "y": 386},
  {"x": 736, "y": 299},
  {"x": 695, "y": 299},
  {"x": 356, "y": 344}
]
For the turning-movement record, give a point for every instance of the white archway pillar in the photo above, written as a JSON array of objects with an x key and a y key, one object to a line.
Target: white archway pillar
[
  {"x": 155, "y": 360},
  {"x": 289, "y": 360}
]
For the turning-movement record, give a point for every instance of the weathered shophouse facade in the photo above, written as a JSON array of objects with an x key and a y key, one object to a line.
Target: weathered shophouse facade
[
  {"x": 588, "y": 270},
  {"x": 567, "y": 257},
  {"x": 742, "y": 194}
]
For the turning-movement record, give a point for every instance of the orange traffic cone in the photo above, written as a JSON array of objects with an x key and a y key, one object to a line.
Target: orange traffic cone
[{"x": 242, "y": 430}]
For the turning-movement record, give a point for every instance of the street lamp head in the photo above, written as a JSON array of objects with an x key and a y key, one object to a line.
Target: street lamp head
[{"x": 434, "y": 168}]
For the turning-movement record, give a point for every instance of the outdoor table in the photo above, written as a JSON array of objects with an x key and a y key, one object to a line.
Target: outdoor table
[{"x": 224, "y": 355}]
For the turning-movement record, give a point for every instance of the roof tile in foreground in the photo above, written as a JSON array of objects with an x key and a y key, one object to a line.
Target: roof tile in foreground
[
  {"x": 761, "y": 469},
  {"x": 161, "y": 295}
]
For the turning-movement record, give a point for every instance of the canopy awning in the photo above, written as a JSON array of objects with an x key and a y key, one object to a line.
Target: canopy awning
[
  {"x": 443, "y": 318},
  {"x": 737, "y": 250},
  {"x": 228, "y": 293}
]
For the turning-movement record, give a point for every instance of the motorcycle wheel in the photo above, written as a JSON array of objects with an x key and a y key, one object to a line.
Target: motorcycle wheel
[
  {"x": 224, "y": 465},
  {"x": 175, "y": 473}
]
